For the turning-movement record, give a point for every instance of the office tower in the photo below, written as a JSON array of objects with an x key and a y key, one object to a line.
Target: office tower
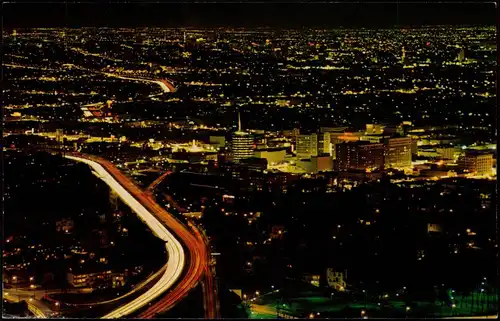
[
  {"x": 398, "y": 152},
  {"x": 360, "y": 155},
  {"x": 324, "y": 143},
  {"x": 307, "y": 145},
  {"x": 241, "y": 143}
]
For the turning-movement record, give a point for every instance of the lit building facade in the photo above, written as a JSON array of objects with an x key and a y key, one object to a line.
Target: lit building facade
[
  {"x": 359, "y": 155},
  {"x": 324, "y": 143},
  {"x": 336, "y": 279},
  {"x": 476, "y": 162},
  {"x": 273, "y": 155},
  {"x": 105, "y": 278},
  {"x": 398, "y": 152},
  {"x": 307, "y": 146},
  {"x": 242, "y": 144}
]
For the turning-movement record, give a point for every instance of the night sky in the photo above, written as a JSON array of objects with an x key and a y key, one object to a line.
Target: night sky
[{"x": 286, "y": 15}]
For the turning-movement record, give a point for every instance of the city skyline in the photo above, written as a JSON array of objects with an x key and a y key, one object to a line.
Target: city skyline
[{"x": 249, "y": 161}]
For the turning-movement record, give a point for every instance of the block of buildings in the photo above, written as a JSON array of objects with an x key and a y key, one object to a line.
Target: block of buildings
[
  {"x": 476, "y": 162},
  {"x": 86, "y": 277},
  {"x": 336, "y": 279},
  {"x": 360, "y": 155}
]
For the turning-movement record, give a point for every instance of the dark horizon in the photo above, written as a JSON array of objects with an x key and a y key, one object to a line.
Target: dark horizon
[{"x": 246, "y": 15}]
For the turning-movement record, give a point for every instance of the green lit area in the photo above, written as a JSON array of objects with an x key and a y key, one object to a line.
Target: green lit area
[{"x": 312, "y": 305}]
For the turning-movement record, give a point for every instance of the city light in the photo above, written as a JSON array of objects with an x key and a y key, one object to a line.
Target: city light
[{"x": 267, "y": 153}]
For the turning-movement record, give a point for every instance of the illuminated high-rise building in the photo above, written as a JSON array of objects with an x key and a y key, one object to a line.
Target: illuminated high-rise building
[
  {"x": 360, "y": 155},
  {"x": 307, "y": 145},
  {"x": 241, "y": 144},
  {"x": 398, "y": 152},
  {"x": 324, "y": 143}
]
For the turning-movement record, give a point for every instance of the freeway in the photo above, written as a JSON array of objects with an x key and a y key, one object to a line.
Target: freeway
[
  {"x": 158, "y": 219},
  {"x": 39, "y": 293},
  {"x": 131, "y": 195},
  {"x": 37, "y": 307},
  {"x": 197, "y": 261},
  {"x": 165, "y": 85},
  {"x": 210, "y": 302},
  {"x": 138, "y": 287},
  {"x": 157, "y": 181}
]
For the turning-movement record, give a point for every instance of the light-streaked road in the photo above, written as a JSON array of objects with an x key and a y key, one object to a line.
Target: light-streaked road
[
  {"x": 210, "y": 302},
  {"x": 164, "y": 84},
  {"x": 176, "y": 257},
  {"x": 157, "y": 181},
  {"x": 37, "y": 307},
  {"x": 135, "y": 289},
  {"x": 198, "y": 255},
  {"x": 39, "y": 293},
  {"x": 197, "y": 261}
]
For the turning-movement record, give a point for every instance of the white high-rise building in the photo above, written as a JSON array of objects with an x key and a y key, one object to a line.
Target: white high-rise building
[{"x": 241, "y": 144}]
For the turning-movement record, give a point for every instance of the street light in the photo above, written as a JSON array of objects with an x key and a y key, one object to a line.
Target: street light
[{"x": 257, "y": 292}]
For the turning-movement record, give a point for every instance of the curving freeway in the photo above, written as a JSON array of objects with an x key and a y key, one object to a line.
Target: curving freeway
[
  {"x": 210, "y": 302},
  {"x": 165, "y": 85},
  {"x": 197, "y": 262},
  {"x": 37, "y": 307},
  {"x": 190, "y": 264},
  {"x": 135, "y": 199}
]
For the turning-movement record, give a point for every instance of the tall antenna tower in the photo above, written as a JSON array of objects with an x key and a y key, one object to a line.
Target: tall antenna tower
[{"x": 239, "y": 122}]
